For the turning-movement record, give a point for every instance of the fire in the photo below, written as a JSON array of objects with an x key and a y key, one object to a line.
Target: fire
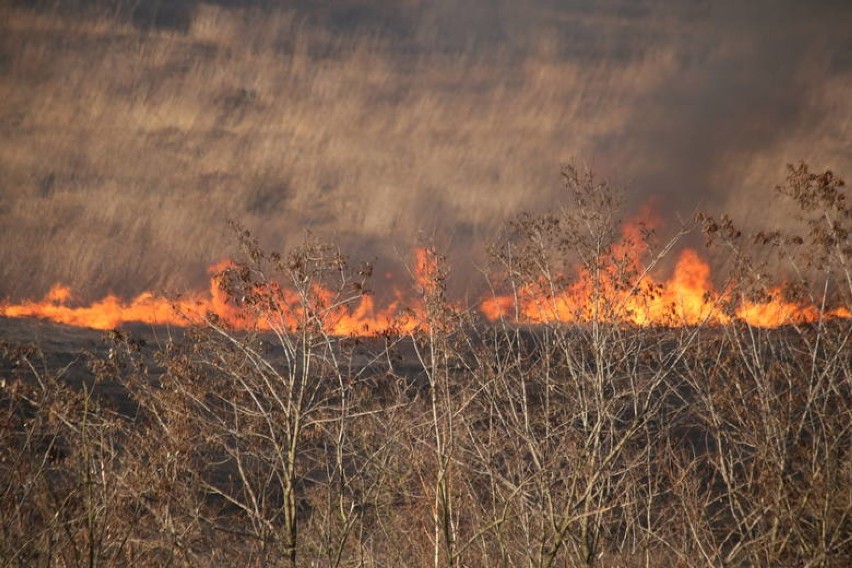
[
  {"x": 687, "y": 298},
  {"x": 338, "y": 317},
  {"x": 111, "y": 311},
  {"x": 614, "y": 288}
]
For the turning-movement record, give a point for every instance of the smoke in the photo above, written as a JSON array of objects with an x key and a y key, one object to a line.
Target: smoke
[
  {"x": 747, "y": 86},
  {"x": 131, "y": 131}
]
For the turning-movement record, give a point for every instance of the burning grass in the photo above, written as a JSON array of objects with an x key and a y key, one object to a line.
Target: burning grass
[
  {"x": 687, "y": 298},
  {"x": 545, "y": 271}
]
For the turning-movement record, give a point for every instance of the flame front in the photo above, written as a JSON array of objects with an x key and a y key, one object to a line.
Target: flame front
[
  {"x": 359, "y": 317},
  {"x": 687, "y": 298}
]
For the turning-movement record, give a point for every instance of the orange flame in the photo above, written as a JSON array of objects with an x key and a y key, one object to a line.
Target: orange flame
[
  {"x": 614, "y": 288},
  {"x": 336, "y": 316},
  {"x": 687, "y": 297}
]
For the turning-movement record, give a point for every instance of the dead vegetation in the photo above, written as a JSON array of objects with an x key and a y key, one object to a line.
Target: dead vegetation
[
  {"x": 460, "y": 443},
  {"x": 113, "y": 130}
]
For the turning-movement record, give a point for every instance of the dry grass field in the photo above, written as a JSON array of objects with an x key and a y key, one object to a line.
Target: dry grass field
[
  {"x": 457, "y": 442},
  {"x": 545, "y": 392},
  {"x": 125, "y": 147}
]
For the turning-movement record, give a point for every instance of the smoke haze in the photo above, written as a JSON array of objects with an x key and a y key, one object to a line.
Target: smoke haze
[{"x": 129, "y": 136}]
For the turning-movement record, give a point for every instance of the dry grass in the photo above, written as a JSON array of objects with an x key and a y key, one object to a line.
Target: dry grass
[
  {"x": 460, "y": 443},
  {"x": 123, "y": 151}
]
